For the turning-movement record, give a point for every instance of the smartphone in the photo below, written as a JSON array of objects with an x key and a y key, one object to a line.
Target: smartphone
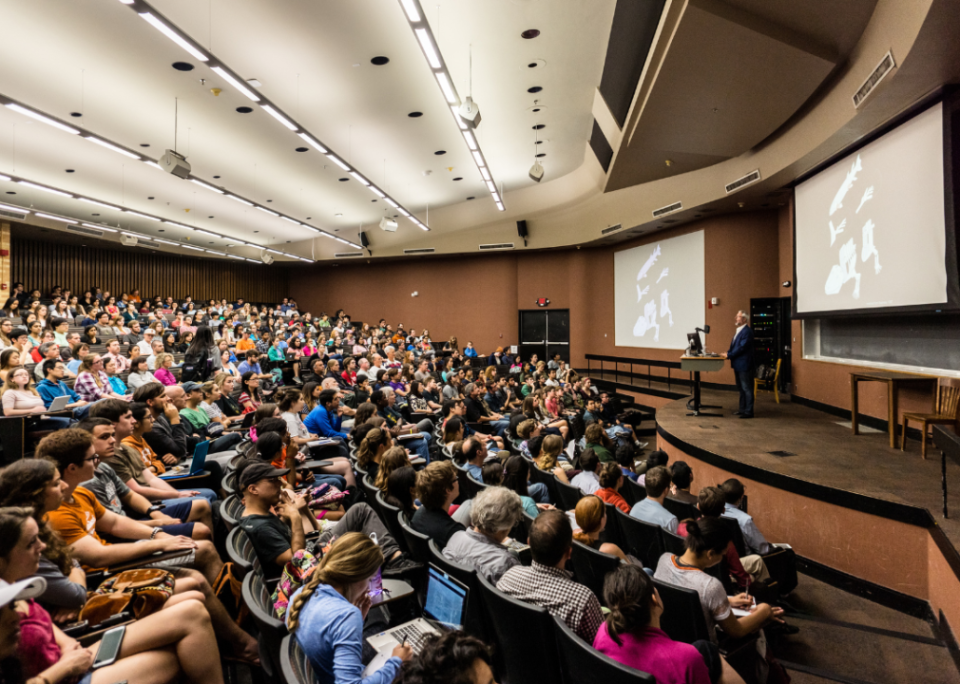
[
  {"x": 109, "y": 647},
  {"x": 375, "y": 587}
]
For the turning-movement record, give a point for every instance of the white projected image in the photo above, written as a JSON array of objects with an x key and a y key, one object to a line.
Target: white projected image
[
  {"x": 870, "y": 229},
  {"x": 659, "y": 292}
]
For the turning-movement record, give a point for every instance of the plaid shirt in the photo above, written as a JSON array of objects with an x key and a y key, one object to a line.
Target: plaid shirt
[
  {"x": 263, "y": 346},
  {"x": 552, "y": 588},
  {"x": 86, "y": 387}
]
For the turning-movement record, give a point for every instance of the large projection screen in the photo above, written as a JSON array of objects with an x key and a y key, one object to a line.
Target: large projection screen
[
  {"x": 871, "y": 228},
  {"x": 659, "y": 292}
]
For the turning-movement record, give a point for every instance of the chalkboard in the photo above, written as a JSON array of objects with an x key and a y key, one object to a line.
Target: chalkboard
[{"x": 928, "y": 341}]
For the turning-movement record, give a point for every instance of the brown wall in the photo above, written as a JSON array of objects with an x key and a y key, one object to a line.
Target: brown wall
[
  {"x": 477, "y": 298},
  {"x": 60, "y": 259}
]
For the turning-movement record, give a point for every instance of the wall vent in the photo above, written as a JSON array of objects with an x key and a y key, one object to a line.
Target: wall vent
[
  {"x": 611, "y": 229},
  {"x": 422, "y": 250},
  {"x": 12, "y": 214},
  {"x": 85, "y": 231},
  {"x": 750, "y": 178},
  {"x": 348, "y": 255},
  {"x": 669, "y": 209},
  {"x": 885, "y": 66},
  {"x": 502, "y": 245}
]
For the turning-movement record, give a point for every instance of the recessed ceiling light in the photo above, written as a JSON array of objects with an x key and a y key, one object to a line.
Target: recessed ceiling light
[
  {"x": 302, "y": 149},
  {"x": 458, "y": 178},
  {"x": 216, "y": 176},
  {"x": 9, "y": 192},
  {"x": 182, "y": 66},
  {"x": 542, "y": 154},
  {"x": 535, "y": 110},
  {"x": 539, "y": 127},
  {"x": 70, "y": 171},
  {"x": 76, "y": 114},
  {"x": 338, "y": 215},
  {"x": 440, "y": 152},
  {"x": 532, "y": 65},
  {"x": 380, "y": 61},
  {"x": 534, "y": 89},
  {"x": 144, "y": 144},
  {"x": 530, "y": 33},
  {"x": 415, "y": 115},
  {"x": 150, "y": 198},
  {"x": 343, "y": 180},
  {"x": 269, "y": 200},
  {"x": 244, "y": 110},
  {"x": 210, "y": 217}
]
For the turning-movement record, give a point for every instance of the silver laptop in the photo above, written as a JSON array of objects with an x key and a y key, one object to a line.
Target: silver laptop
[
  {"x": 59, "y": 403},
  {"x": 444, "y": 610}
]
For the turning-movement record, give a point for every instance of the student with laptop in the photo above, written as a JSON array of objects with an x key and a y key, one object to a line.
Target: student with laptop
[
  {"x": 52, "y": 388},
  {"x": 326, "y": 615}
]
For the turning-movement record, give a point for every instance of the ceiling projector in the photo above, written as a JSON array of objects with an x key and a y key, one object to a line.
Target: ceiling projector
[
  {"x": 266, "y": 258},
  {"x": 175, "y": 163},
  {"x": 536, "y": 172},
  {"x": 388, "y": 225},
  {"x": 128, "y": 240},
  {"x": 470, "y": 113}
]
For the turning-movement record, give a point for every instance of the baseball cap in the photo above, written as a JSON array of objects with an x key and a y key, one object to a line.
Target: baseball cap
[
  {"x": 255, "y": 472},
  {"x": 191, "y": 386},
  {"x": 149, "y": 331},
  {"x": 24, "y": 589}
]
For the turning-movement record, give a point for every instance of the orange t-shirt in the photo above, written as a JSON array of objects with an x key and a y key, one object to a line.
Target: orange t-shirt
[
  {"x": 150, "y": 458},
  {"x": 612, "y": 496},
  {"x": 245, "y": 345},
  {"x": 280, "y": 460},
  {"x": 77, "y": 519}
]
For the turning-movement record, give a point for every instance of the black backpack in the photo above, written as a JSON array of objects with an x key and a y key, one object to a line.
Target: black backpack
[{"x": 196, "y": 367}]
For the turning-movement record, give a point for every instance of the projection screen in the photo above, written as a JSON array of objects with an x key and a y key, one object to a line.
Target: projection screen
[
  {"x": 870, "y": 228},
  {"x": 659, "y": 292}
]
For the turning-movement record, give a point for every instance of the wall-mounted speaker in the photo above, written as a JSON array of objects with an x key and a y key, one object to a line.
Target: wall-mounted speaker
[
  {"x": 363, "y": 239},
  {"x": 522, "y": 229}
]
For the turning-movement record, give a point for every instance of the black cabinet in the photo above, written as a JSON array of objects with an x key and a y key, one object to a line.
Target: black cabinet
[{"x": 770, "y": 320}]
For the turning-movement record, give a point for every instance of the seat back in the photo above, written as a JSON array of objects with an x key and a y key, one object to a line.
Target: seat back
[
  {"x": 391, "y": 516},
  {"x": 416, "y": 542},
  {"x": 672, "y": 543},
  {"x": 525, "y": 635},
  {"x": 371, "y": 491},
  {"x": 736, "y": 533},
  {"x": 294, "y": 665},
  {"x": 547, "y": 479},
  {"x": 641, "y": 539},
  {"x": 948, "y": 397},
  {"x": 567, "y": 496},
  {"x": 632, "y": 492},
  {"x": 581, "y": 662},
  {"x": 682, "y": 618},
  {"x": 240, "y": 550},
  {"x": 469, "y": 487},
  {"x": 591, "y": 567},
  {"x": 271, "y": 631},
  {"x": 682, "y": 509},
  {"x": 231, "y": 510},
  {"x": 473, "y": 623},
  {"x": 229, "y": 482}
]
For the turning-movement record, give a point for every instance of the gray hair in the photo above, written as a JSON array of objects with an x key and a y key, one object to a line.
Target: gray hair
[
  {"x": 46, "y": 346},
  {"x": 387, "y": 391},
  {"x": 468, "y": 389},
  {"x": 745, "y": 315},
  {"x": 495, "y": 509}
]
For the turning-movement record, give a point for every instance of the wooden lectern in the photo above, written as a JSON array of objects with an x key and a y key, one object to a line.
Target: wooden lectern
[{"x": 696, "y": 365}]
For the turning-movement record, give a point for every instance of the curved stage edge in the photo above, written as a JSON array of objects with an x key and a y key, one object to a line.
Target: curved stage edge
[{"x": 850, "y": 503}]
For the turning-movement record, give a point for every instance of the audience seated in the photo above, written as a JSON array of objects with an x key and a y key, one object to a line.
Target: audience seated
[
  {"x": 680, "y": 483},
  {"x": 450, "y": 658},
  {"x": 587, "y": 481},
  {"x": 546, "y": 583},
  {"x": 651, "y": 509},
  {"x": 494, "y": 513},
  {"x": 591, "y": 516},
  {"x": 733, "y": 492},
  {"x": 516, "y": 477},
  {"x": 437, "y": 488},
  {"x": 611, "y": 480}
]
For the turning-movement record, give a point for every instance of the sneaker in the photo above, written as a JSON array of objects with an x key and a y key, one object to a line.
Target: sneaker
[
  {"x": 297, "y": 380},
  {"x": 401, "y": 566}
]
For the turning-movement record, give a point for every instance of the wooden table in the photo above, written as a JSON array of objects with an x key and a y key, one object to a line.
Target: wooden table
[{"x": 893, "y": 381}]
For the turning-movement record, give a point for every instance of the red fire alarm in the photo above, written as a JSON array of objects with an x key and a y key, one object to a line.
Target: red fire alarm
[
  {"x": 543, "y": 301},
  {"x": 4, "y": 252}
]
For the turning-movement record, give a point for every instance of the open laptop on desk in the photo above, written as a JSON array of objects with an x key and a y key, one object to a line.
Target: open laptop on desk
[
  {"x": 444, "y": 610},
  {"x": 195, "y": 467}
]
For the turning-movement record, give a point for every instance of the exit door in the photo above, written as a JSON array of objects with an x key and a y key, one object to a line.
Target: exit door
[{"x": 545, "y": 332}]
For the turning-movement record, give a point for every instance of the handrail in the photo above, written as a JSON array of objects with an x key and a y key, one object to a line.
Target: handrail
[
  {"x": 649, "y": 363},
  {"x": 642, "y": 362}
]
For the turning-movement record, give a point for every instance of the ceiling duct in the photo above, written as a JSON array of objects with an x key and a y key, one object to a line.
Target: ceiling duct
[
  {"x": 885, "y": 66},
  {"x": 422, "y": 250},
  {"x": 348, "y": 255},
  {"x": 611, "y": 229},
  {"x": 749, "y": 179},
  {"x": 498, "y": 246},
  {"x": 669, "y": 209}
]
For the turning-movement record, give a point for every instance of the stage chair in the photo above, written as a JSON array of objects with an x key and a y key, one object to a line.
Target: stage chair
[
  {"x": 591, "y": 567},
  {"x": 580, "y": 662},
  {"x": 769, "y": 385},
  {"x": 947, "y": 412}
]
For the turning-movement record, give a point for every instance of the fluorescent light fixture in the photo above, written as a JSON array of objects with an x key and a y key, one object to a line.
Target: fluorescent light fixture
[
  {"x": 172, "y": 35},
  {"x": 4, "y": 178},
  {"x": 123, "y": 232},
  {"x": 499, "y": 206},
  {"x": 471, "y": 141},
  {"x": 485, "y": 172},
  {"x": 55, "y": 218},
  {"x": 96, "y": 227},
  {"x": 206, "y": 232},
  {"x": 456, "y": 117},
  {"x": 429, "y": 49},
  {"x": 165, "y": 242},
  {"x": 111, "y": 146},
  {"x": 491, "y": 187},
  {"x": 178, "y": 225},
  {"x": 404, "y": 212},
  {"x": 206, "y": 185},
  {"x": 423, "y": 226},
  {"x": 153, "y": 164},
  {"x": 241, "y": 201},
  {"x": 447, "y": 89},
  {"x": 99, "y": 204},
  {"x": 7, "y": 207},
  {"x": 267, "y": 211},
  {"x": 409, "y": 6},
  {"x": 279, "y": 117},
  {"x": 254, "y": 261},
  {"x": 286, "y": 218},
  {"x": 139, "y": 215},
  {"x": 315, "y": 230},
  {"x": 223, "y": 73},
  {"x": 213, "y": 251},
  {"x": 477, "y": 157},
  {"x": 236, "y": 256},
  {"x": 359, "y": 178},
  {"x": 273, "y": 251},
  {"x": 309, "y": 261},
  {"x": 40, "y": 117},
  {"x": 44, "y": 188},
  {"x": 338, "y": 162},
  {"x": 313, "y": 143},
  {"x": 195, "y": 249},
  {"x": 127, "y": 2},
  {"x": 377, "y": 191},
  {"x": 392, "y": 203}
]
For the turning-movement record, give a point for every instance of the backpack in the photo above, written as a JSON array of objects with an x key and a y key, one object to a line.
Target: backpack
[
  {"x": 228, "y": 588},
  {"x": 195, "y": 367}
]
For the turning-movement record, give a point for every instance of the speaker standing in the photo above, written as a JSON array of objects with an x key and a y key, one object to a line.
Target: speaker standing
[{"x": 741, "y": 360}]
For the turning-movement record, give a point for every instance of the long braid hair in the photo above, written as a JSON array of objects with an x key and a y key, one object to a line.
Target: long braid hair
[
  {"x": 22, "y": 483},
  {"x": 354, "y": 557}
]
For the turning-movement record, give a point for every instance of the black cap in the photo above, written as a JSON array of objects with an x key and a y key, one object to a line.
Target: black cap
[{"x": 261, "y": 470}]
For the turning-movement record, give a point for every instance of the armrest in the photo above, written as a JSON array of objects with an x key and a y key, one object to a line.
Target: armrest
[
  {"x": 188, "y": 478},
  {"x": 483, "y": 428},
  {"x": 148, "y": 560},
  {"x": 314, "y": 465}
]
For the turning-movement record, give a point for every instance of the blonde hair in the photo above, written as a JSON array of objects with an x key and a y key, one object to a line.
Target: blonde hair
[
  {"x": 550, "y": 448},
  {"x": 368, "y": 447},
  {"x": 207, "y": 389},
  {"x": 9, "y": 384},
  {"x": 162, "y": 359},
  {"x": 392, "y": 459},
  {"x": 589, "y": 514},
  {"x": 354, "y": 557}
]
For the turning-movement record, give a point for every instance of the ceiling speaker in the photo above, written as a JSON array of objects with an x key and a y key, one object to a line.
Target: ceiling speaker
[
  {"x": 522, "y": 228},
  {"x": 363, "y": 239},
  {"x": 128, "y": 240},
  {"x": 175, "y": 163},
  {"x": 388, "y": 225}
]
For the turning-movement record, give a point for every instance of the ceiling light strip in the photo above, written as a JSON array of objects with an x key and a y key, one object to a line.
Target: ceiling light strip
[
  {"x": 170, "y": 33},
  {"x": 428, "y": 45}
]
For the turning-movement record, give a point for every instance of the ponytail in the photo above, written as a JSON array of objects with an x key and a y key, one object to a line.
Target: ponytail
[
  {"x": 628, "y": 592},
  {"x": 707, "y": 534},
  {"x": 374, "y": 439}
]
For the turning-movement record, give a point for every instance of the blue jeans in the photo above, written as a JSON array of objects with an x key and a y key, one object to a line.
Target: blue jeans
[
  {"x": 419, "y": 446},
  {"x": 538, "y": 492},
  {"x": 225, "y": 443},
  {"x": 745, "y": 387},
  {"x": 500, "y": 427},
  {"x": 332, "y": 480}
]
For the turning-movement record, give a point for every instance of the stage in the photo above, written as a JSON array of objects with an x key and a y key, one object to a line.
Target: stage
[{"x": 850, "y": 503}]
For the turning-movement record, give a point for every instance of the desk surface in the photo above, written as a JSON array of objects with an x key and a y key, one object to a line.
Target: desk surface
[{"x": 889, "y": 375}]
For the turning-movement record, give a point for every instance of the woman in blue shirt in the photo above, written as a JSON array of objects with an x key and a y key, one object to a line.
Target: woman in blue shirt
[{"x": 326, "y": 615}]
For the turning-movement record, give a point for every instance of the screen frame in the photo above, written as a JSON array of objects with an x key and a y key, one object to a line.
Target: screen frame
[{"x": 950, "y": 99}]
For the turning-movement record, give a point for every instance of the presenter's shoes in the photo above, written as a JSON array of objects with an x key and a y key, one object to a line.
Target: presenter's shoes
[
  {"x": 746, "y": 415},
  {"x": 738, "y": 413}
]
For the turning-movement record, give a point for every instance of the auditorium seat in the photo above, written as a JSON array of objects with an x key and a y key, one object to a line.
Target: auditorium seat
[
  {"x": 391, "y": 517},
  {"x": 294, "y": 664},
  {"x": 270, "y": 630},
  {"x": 416, "y": 542},
  {"x": 640, "y": 539},
  {"x": 547, "y": 479},
  {"x": 736, "y": 533},
  {"x": 580, "y": 662},
  {"x": 469, "y": 487},
  {"x": 632, "y": 492},
  {"x": 240, "y": 550},
  {"x": 231, "y": 510},
  {"x": 370, "y": 491},
  {"x": 568, "y": 496},
  {"x": 682, "y": 509},
  {"x": 474, "y": 622},
  {"x": 682, "y": 617},
  {"x": 590, "y": 567}
]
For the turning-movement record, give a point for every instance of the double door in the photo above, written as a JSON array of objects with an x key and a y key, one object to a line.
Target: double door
[{"x": 545, "y": 332}]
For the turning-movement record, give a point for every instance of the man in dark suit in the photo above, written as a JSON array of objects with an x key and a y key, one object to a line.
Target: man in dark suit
[{"x": 741, "y": 359}]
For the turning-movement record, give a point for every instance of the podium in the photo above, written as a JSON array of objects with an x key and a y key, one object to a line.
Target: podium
[{"x": 697, "y": 365}]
